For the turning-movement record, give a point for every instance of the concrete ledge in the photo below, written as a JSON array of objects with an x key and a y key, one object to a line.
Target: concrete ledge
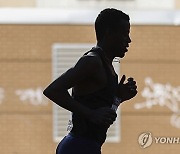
[{"x": 59, "y": 16}]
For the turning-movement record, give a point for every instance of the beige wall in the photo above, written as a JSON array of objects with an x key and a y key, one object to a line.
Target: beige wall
[
  {"x": 25, "y": 58},
  {"x": 177, "y": 4},
  {"x": 17, "y": 3},
  {"x": 32, "y": 3}
]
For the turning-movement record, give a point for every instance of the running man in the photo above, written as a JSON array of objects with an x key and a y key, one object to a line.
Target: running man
[{"x": 95, "y": 86}]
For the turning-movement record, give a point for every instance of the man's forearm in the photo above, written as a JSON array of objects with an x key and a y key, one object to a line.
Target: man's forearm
[{"x": 64, "y": 100}]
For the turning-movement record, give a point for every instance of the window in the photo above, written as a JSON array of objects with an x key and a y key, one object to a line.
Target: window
[{"x": 65, "y": 56}]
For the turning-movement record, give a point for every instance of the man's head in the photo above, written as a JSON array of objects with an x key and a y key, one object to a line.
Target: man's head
[{"x": 112, "y": 27}]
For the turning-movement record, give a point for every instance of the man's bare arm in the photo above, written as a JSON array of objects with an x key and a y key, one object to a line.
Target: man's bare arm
[{"x": 57, "y": 91}]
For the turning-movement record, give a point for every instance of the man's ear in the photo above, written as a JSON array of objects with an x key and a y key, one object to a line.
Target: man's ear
[{"x": 108, "y": 34}]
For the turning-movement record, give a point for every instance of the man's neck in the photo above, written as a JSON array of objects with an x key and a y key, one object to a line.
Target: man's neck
[{"x": 107, "y": 52}]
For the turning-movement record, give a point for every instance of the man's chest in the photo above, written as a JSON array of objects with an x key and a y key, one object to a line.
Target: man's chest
[{"x": 93, "y": 83}]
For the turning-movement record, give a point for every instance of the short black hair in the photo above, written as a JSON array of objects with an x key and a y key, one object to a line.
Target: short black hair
[{"x": 109, "y": 18}]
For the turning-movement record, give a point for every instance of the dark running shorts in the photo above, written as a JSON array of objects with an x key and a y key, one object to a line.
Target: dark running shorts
[{"x": 77, "y": 145}]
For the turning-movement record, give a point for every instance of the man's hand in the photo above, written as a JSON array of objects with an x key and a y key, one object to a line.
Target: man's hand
[
  {"x": 102, "y": 116},
  {"x": 127, "y": 90}
]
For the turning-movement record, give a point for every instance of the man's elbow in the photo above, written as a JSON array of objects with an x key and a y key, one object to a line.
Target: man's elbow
[
  {"x": 53, "y": 94},
  {"x": 47, "y": 93}
]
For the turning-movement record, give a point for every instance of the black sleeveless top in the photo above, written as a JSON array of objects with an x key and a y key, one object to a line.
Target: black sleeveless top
[{"x": 100, "y": 98}]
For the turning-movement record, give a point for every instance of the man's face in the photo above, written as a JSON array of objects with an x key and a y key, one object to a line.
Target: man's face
[{"x": 120, "y": 40}]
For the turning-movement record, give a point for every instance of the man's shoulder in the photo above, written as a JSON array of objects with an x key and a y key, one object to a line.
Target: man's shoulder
[{"x": 91, "y": 58}]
